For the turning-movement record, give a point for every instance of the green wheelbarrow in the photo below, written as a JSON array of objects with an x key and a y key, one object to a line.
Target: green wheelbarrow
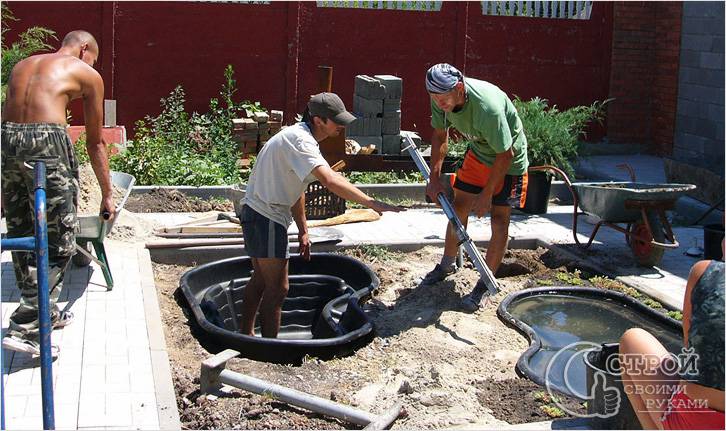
[
  {"x": 640, "y": 206},
  {"x": 93, "y": 229}
]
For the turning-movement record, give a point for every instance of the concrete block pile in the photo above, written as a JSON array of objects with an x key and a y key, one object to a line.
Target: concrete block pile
[
  {"x": 377, "y": 104},
  {"x": 252, "y": 132}
]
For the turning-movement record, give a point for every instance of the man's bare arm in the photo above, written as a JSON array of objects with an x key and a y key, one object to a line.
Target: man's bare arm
[
  {"x": 339, "y": 185},
  {"x": 439, "y": 148},
  {"x": 92, "y": 89}
]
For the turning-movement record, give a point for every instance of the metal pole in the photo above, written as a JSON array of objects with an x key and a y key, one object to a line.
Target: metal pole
[
  {"x": 464, "y": 240},
  {"x": 296, "y": 398},
  {"x": 325, "y": 79},
  {"x": 41, "y": 257}
]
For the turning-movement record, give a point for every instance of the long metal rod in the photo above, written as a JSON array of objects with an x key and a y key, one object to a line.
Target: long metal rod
[
  {"x": 296, "y": 398},
  {"x": 41, "y": 257},
  {"x": 464, "y": 240}
]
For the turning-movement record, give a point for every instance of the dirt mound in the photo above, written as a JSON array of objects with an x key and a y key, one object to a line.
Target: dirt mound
[
  {"x": 129, "y": 227},
  {"x": 89, "y": 197},
  {"x": 519, "y": 401},
  {"x": 170, "y": 200}
]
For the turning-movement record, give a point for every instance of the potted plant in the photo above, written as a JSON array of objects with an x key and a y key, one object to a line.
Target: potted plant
[{"x": 552, "y": 139}]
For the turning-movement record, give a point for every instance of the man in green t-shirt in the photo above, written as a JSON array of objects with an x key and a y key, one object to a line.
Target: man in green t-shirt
[{"x": 493, "y": 176}]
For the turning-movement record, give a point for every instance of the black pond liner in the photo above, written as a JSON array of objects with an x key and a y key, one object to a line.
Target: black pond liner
[
  {"x": 625, "y": 312},
  {"x": 321, "y": 316}
]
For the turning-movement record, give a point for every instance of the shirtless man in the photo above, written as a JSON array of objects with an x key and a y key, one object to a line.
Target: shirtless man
[{"x": 34, "y": 128}]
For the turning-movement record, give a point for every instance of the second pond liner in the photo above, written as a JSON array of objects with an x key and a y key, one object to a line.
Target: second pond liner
[
  {"x": 321, "y": 316},
  {"x": 555, "y": 317}
]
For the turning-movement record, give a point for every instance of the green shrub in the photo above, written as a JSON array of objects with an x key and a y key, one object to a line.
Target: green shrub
[
  {"x": 178, "y": 148},
  {"x": 32, "y": 41},
  {"x": 552, "y": 135},
  {"x": 390, "y": 177}
]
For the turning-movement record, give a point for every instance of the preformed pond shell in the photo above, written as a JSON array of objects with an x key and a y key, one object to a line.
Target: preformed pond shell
[
  {"x": 563, "y": 322},
  {"x": 321, "y": 316}
]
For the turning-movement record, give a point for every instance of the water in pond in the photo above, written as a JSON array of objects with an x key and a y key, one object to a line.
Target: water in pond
[{"x": 561, "y": 320}]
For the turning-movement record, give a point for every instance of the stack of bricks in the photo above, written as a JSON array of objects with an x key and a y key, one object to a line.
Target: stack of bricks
[
  {"x": 252, "y": 132},
  {"x": 377, "y": 103}
]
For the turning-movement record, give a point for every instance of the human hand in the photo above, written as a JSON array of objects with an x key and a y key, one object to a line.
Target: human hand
[
  {"x": 381, "y": 207},
  {"x": 107, "y": 212},
  {"x": 482, "y": 204},
  {"x": 433, "y": 188},
  {"x": 304, "y": 245}
]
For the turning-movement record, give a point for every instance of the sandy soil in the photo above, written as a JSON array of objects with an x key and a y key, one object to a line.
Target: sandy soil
[
  {"x": 89, "y": 197},
  {"x": 448, "y": 368}
]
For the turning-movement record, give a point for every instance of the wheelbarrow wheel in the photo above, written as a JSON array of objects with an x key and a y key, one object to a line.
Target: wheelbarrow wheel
[
  {"x": 646, "y": 254},
  {"x": 80, "y": 259}
]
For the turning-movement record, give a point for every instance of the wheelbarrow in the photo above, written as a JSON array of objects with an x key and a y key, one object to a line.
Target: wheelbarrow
[
  {"x": 92, "y": 231},
  {"x": 640, "y": 206}
]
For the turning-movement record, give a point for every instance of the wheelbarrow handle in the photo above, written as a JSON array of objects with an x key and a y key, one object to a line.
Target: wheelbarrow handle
[
  {"x": 554, "y": 169},
  {"x": 627, "y": 167},
  {"x": 575, "y": 200}
]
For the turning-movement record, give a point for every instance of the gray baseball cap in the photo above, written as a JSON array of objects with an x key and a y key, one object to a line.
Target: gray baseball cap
[{"x": 329, "y": 105}]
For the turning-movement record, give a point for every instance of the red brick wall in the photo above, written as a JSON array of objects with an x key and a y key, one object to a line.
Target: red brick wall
[
  {"x": 644, "y": 74},
  {"x": 147, "y": 48},
  {"x": 665, "y": 79}
]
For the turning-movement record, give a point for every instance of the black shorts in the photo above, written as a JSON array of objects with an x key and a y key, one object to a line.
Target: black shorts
[
  {"x": 474, "y": 175},
  {"x": 263, "y": 237}
]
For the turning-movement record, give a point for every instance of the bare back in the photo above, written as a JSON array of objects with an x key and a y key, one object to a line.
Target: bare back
[{"x": 41, "y": 86}]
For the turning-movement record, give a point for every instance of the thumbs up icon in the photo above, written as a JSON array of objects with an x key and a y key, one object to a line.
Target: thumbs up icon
[{"x": 610, "y": 395}]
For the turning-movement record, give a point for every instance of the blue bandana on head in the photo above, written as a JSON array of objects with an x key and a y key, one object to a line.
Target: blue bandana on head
[{"x": 442, "y": 78}]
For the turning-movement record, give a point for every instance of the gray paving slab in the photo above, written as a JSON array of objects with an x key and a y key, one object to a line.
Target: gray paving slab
[{"x": 112, "y": 371}]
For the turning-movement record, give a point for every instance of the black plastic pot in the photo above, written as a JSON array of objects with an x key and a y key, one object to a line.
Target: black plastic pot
[
  {"x": 538, "y": 192},
  {"x": 602, "y": 361},
  {"x": 712, "y": 237}
]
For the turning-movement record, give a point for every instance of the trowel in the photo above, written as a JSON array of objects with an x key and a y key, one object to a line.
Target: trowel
[{"x": 487, "y": 281}]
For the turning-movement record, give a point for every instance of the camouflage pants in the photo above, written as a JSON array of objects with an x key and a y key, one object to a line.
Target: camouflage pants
[{"x": 22, "y": 145}]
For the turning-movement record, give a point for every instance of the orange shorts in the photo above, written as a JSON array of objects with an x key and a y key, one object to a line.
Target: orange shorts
[{"x": 473, "y": 175}]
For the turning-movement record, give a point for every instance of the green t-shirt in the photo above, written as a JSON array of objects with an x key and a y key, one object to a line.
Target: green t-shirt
[{"x": 490, "y": 121}]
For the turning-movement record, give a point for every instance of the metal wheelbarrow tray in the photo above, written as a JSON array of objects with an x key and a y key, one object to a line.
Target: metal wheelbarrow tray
[
  {"x": 641, "y": 206},
  {"x": 609, "y": 201},
  {"x": 93, "y": 230}
]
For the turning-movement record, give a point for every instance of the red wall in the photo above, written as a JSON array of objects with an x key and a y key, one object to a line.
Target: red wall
[
  {"x": 147, "y": 48},
  {"x": 646, "y": 55}
]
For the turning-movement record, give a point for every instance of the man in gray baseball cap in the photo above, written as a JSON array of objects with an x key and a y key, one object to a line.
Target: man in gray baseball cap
[
  {"x": 329, "y": 105},
  {"x": 275, "y": 197}
]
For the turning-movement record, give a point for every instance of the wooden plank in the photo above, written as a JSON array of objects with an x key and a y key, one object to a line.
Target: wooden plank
[
  {"x": 211, "y": 229},
  {"x": 350, "y": 216}
]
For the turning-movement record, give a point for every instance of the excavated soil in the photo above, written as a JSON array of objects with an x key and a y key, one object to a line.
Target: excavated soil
[
  {"x": 448, "y": 368},
  {"x": 89, "y": 197},
  {"x": 167, "y": 201}
]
